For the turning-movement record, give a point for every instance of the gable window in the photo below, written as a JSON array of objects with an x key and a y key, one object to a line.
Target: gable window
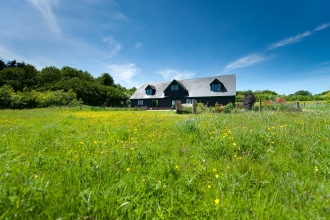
[
  {"x": 188, "y": 101},
  {"x": 174, "y": 87},
  {"x": 140, "y": 102},
  {"x": 216, "y": 87},
  {"x": 149, "y": 91}
]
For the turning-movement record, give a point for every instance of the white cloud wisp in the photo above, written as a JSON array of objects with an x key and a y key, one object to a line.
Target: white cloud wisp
[
  {"x": 246, "y": 61},
  {"x": 45, "y": 8},
  {"x": 113, "y": 45},
  {"x": 322, "y": 26},
  {"x": 176, "y": 74},
  {"x": 299, "y": 37},
  {"x": 290, "y": 40}
]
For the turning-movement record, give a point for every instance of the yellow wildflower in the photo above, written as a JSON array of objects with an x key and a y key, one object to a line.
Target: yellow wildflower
[
  {"x": 127, "y": 169},
  {"x": 209, "y": 186},
  {"x": 234, "y": 144},
  {"x": 216, "y": 176},
  {"x": 217, "y": 201}
]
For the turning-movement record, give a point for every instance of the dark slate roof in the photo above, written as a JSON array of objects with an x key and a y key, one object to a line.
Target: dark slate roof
[{"x": 199, "y": 87}]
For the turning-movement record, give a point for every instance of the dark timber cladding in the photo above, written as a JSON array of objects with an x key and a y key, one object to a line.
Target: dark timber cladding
[{"x": 208, "y": 90}]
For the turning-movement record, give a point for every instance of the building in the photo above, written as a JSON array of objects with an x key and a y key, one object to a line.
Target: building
[{"x": 208, "y": 90}]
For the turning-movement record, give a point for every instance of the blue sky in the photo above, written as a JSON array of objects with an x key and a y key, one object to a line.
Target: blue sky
[{"x": 281, "y": 45}]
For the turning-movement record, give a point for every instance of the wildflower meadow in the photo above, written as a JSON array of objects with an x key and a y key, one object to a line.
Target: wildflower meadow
[{"x": 81, "y": 164}]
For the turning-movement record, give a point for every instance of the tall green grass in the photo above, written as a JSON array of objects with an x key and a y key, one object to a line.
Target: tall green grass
[{"x": 72, "y": 164}]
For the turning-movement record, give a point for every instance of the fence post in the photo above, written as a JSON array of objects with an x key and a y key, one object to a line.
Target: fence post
[
  {"x": 298, "y": 105},
  {"x": 194, "y": 106},
  {"x": 260, "y": 105}
]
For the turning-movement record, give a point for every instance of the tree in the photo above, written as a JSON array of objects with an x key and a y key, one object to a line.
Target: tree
[
  {"x": 2, "y": 65},
  {"x": 48, "y": 77},
  {"x": 106, "y": 80},
  {"x": 69, "y": 73},
  {"x": 11, "y": 64},
  {"x": 248, "y": 100},
  {"x": 303, "y": 93}
]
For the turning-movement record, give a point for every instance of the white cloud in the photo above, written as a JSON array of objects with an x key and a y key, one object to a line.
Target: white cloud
[
  {"x": 113, "y": 45},
  {"x": 45, "y": 8},
  {"x": 138, "y": 45},
  {"x": 124, "y": 73},
  {"x": 322, "y": 26},
  {"x": 290, "y": 40},
  {"x": 246, "y": 61},
  {"x": 176, "y": 74},
  {"x": 299, "y": 37}
]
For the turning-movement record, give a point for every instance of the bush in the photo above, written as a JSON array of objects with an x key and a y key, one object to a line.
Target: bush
[
  {"x": 228, "y": 108},
  {"x": 218, "y": 108},
  {"x": 34, "y": 99}
]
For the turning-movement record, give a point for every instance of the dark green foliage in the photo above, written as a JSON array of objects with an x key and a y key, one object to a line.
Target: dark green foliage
[
  {"x": 47, "y": 77},
  {"x": 303, "y": 93},
  {"x": 106, "y": 80},
  {"x": 2, "y": 65},
  {"x": 22, "y": 78}
]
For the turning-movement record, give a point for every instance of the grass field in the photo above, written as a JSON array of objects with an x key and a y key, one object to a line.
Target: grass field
[{"x": 83, "y": 164}]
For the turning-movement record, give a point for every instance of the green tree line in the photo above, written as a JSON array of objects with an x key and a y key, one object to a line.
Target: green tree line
[
  {"x": 23, "y": 86},
  {"x": 300, "y": 95}
]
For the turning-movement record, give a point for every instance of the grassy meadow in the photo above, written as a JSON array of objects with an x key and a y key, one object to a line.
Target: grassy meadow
[{"x": 83, "y": 164}]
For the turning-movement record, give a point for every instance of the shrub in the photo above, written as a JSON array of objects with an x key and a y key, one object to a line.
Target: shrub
[
  {"x": 228, "y": 108},
  {"x": 218, "y": 108}
]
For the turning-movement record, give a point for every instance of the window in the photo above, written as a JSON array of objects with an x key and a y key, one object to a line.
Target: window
[
  {"x": 149, "y": 91},
  {"x": 173, "y": 102},
  {"x": 215, "y": 87},
  {"x": 140, "y": 102},
  {"x": 188, "y": 101},
  {"x": 174, "y": 87}
]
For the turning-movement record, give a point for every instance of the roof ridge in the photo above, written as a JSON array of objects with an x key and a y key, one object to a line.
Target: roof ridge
[{"x": 187, "y": 79}]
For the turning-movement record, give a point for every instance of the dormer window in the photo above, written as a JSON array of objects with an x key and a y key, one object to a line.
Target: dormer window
[
  {"x": 174, "y": 87},
  {"x": 149, "y": 91},
  {"x": 216, "y": 87}
]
